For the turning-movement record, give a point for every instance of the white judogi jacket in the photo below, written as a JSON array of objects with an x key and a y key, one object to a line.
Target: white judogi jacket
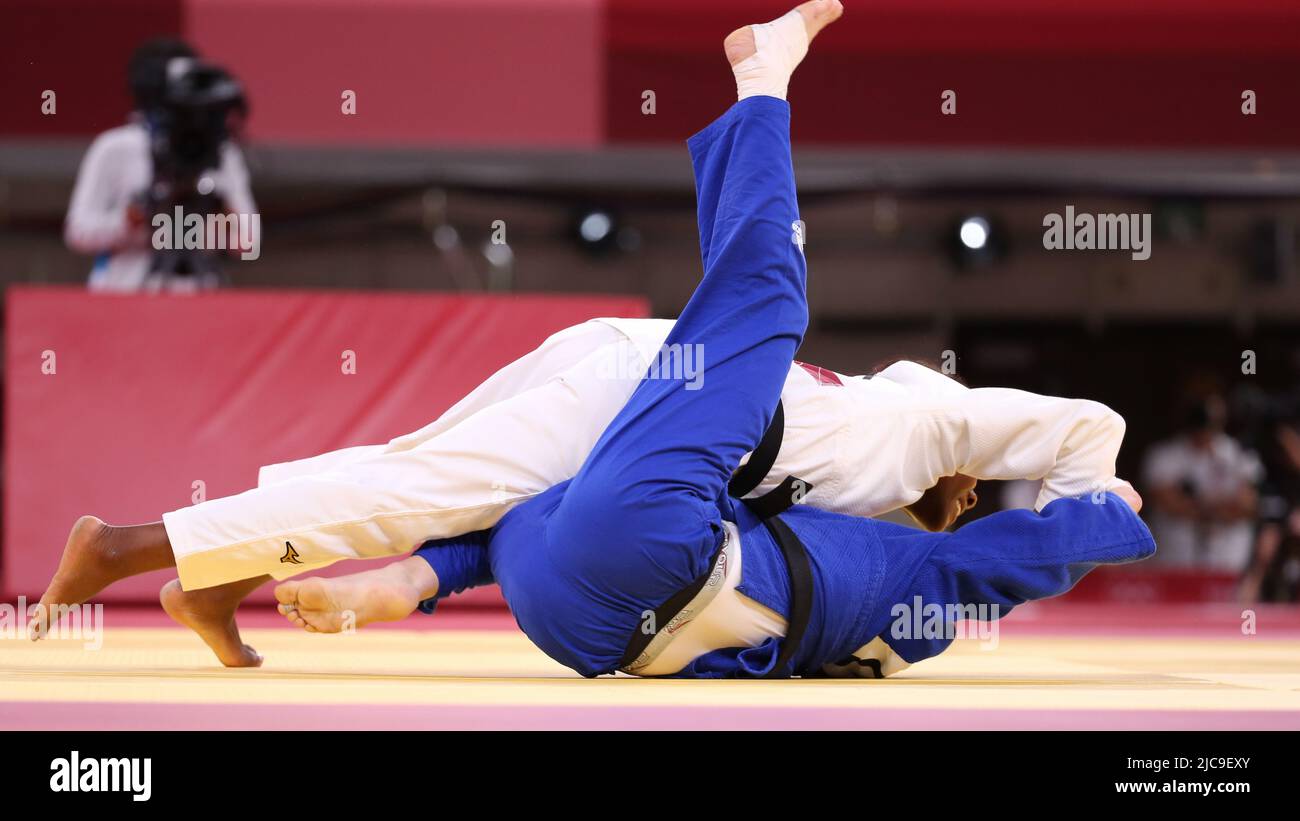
[{"x": 871, "y": 444}]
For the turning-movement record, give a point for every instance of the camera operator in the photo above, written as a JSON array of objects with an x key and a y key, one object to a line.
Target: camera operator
[{"x": 150, "y": 167}]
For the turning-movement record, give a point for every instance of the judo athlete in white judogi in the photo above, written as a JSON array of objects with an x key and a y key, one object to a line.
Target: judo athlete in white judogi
[
  {"x": 860, "y": 445},
  {"x": 905, "y": 437}
]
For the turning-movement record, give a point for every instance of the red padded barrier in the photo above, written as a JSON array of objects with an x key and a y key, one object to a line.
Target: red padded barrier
[
  {"x": 150, "y": 394},
  {"x": 1152, "y": 582}
]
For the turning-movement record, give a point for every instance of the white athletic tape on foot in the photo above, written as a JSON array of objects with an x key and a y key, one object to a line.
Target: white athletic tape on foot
[{"x": 779, "y": 47}]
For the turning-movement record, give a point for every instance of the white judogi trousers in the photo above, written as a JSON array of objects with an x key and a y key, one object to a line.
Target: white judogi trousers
[
  {"x": 863, "y": 445},
  {"x": 528, "y": 427}
]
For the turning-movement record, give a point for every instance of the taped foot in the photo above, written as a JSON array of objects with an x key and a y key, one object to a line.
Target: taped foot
[{"x": 763, "y": 56}]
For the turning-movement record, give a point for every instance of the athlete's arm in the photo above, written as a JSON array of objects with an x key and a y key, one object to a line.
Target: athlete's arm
[
  {"x": 1011, "y": 557},
  {"x": 1071, "y": 444},
  {"x": 460, "y": 563}
]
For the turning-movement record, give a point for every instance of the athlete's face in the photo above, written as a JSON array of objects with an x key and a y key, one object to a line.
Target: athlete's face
[{"x": 942, "y": 504}]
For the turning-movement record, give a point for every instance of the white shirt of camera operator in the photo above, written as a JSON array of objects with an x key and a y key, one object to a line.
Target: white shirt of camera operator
[
  {"x": 116, "y": 170},
  {"x": 1212, "y": 474}
]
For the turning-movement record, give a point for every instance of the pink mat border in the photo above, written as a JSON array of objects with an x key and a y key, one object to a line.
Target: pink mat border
[{"x": 34, "y": 715}]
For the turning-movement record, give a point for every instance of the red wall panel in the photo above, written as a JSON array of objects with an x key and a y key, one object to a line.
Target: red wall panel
[
  {"x": 570, "y": 73},
  {"x": 454, "y": 72},
  {"x": 152, "y": 393},
  {"x": 1114, "y": 73},
  {"x": 78, "y": 49}
]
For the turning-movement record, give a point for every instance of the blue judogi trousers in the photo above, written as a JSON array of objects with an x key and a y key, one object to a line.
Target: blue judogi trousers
[{"x": 581, "y": 564}]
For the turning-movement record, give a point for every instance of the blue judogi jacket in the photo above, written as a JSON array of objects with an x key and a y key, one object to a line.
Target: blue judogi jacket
[{"x": 861, "y": 568}]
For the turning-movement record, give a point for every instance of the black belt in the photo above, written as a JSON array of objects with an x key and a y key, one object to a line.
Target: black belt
[
  {"x": 801, "y": 598},
  {"x": 801, "y": 594},
  {"x": 767, "y": 507},
  {"x": 666, "y": 612},
  {"x": 750, "y": 475}
]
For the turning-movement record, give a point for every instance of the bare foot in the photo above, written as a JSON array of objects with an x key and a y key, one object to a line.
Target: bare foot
[
  {"x": 210, "y": 612},
  {"x": 95, "y": 556},
  {"x": 817, "y": 15},
  {"x": 86, "y": 568},
  {"x": 320, "y": 605}
]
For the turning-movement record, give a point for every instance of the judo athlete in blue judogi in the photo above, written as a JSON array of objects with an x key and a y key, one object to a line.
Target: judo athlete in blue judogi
[{"x": 644, "y": 563}]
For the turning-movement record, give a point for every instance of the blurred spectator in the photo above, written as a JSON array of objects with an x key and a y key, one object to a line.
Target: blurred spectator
[
  {"x": 1274, "y": 569},
  {"x": 111, "y": 207},
  {"x": 1200, "y": 487}
]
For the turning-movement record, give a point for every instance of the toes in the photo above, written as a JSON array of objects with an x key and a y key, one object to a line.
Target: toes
[
  {"x": 36, "y": 628},
  {"x": 315, "y": 593},
  {"x": 819, "y": 14},
  {"x": 44, "y": 616},
  {"x": 287, "y": 592},
  {"x": 245, "y": 657},
  {"x": 318, "y": 621}
]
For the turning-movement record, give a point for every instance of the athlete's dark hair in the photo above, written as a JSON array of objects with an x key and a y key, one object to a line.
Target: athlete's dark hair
[{"x": 146, "y": 73}]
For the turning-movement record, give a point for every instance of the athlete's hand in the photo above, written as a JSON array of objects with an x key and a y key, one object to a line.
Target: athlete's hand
[{"x": 1129, "y": 495}]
